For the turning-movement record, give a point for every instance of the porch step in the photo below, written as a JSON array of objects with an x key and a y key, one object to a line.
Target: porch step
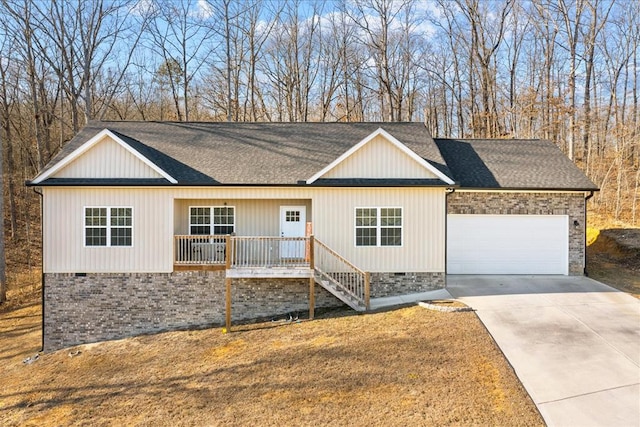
[{"x": 343, "y": 296}]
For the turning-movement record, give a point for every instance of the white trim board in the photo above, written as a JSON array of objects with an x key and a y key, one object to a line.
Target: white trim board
[
  {"x": 91, "y": 143},
  {"x": 393, "y": 141}
]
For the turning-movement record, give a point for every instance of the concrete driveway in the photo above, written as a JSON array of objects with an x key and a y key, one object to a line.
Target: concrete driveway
[{"x": 573, "y": 342}]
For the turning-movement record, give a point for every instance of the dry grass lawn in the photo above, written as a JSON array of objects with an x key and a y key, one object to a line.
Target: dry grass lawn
[{"x": 410, "y": 366}]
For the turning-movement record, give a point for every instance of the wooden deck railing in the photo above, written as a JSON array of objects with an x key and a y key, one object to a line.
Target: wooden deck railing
[
  {"x": 341, "y": 273},
  {"x": 200, "y": 250},
  {"x": 242, "y": 252},
  {"x": 268, "y": 252}
]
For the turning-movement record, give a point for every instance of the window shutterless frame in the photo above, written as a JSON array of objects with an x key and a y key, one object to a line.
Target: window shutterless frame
[
  {"x": 378, "y": 227},
  {"x": 103, "y": 224},
  {"x": 216, "y": 220}
]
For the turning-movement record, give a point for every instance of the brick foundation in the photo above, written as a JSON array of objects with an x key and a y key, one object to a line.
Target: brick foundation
[
  {"x": 87, "y": 308},
  {"x": 571, "y": 204},
  {"x": 98, "y": 307},
  {"x": 392, "y": 284}
]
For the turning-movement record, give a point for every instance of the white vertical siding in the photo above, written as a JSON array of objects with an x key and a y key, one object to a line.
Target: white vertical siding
[
  {"x": 379, "y": 159},
  {"x": 63, "y": 216},
  {"x": 159, "y": 213},
  {"x": 107, "y": 159},
  {"x": 423, "y": 239}
]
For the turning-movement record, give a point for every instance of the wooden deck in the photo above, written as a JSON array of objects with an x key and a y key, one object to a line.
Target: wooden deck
[
  {"x": 243, "y": 257},
  {"x": 270, "y": 272}
]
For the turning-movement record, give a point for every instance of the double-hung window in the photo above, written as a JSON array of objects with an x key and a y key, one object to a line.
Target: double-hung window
[
  {"x": 108, "y": 226},
  {"x": 212, "y": 220},
  {"x": 378, "y": 227}
]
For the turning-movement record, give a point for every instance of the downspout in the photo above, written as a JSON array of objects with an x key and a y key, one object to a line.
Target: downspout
[
  {"x": 35, "y": 190},
  {"x": 449, "y": 190},
  {"x": 586, "y": 273}
]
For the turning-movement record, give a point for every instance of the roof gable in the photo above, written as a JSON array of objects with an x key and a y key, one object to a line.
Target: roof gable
[
  {"x": 379, "y": 156},
  {"x": 105, "y": 156},
  {"x": 221, "y": 153}
]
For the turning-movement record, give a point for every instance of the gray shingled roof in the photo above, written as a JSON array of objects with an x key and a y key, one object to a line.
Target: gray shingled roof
[
  {"x": 251, "y": 153},
  {"x": 290, "y": 153},
  {"x": 511, "y": 164}
]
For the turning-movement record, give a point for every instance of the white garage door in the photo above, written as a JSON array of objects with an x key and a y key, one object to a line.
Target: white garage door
[{"x": 507, "y": 244}]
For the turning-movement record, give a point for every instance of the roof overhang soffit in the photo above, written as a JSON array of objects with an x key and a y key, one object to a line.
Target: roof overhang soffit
[
  {"x": 91, "y": 143},
  {"x": 399, "y": 145}
]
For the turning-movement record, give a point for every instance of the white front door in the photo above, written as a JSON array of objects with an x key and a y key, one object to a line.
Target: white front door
[{"x": 293, "y": 220}]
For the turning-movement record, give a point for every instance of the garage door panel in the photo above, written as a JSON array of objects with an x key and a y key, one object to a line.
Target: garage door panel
[
  {"x": 506, "y": 268},
  {"x": 507, "y": 244}
]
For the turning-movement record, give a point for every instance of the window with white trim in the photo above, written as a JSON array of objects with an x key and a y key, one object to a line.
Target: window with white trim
[
  {"x": 378, "y": 227},
  {"x": 108, "y": 226},
  {"x": 212, "y": 220}
]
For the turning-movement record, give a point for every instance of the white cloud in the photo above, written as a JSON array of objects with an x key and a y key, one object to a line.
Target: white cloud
[
  {"x": 143, "y": 7},
  {"x": 204, "y": 10}
]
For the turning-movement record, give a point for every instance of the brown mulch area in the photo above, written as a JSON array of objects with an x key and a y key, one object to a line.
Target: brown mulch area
[{"x": 410, "y": 366}]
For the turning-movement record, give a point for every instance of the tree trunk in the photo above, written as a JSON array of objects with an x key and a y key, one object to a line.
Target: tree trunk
[{"x": 3, "y": 259}]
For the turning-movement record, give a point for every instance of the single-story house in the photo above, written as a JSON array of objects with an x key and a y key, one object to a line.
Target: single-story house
[{"x": 151, "y": 226}]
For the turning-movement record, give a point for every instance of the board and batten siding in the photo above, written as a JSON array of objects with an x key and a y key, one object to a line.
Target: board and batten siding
[
  {"x": 159, "y": 213},
  {"x": 121, "y": 164},
  {"x": 379, "y": 158},
  {"x": 63, "y": 237}
]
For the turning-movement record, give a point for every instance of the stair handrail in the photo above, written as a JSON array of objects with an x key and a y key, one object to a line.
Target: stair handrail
[{"x": 360, "y": 293}]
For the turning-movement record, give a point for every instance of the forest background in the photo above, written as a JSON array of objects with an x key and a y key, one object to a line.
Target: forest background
[{"x": 564, "y": 70}]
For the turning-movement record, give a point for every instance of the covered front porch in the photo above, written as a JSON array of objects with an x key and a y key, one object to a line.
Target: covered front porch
[{"x": 247, "y": 237}]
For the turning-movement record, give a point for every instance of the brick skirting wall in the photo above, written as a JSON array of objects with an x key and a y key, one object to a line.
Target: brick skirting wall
[
  {"x": 571, "y": 204},
  {"x": 81, "y": 309},
  {"x": 98, "y": 307},
  {"x": 393, "y": 284}
]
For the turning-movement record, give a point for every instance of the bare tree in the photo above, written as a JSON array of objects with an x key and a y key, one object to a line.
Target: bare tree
[
  {"x": 3, "y": 259},
  {"x": 20, "y": 26},
  {"x": 572, "y": 16},
  {"x": 596, "y": 24},
  {"x": 180, "y": 36},
  {"x": 7, "y": 99},
  {"x": 290, "y": 61},
  {"x": 79, "y": 42},
  {"x": 486, "y": 37}
]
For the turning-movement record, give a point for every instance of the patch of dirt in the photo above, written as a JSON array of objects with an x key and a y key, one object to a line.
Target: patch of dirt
[
  {"x": 405, "y": 367},
  {"x": 613, "y": 257}
]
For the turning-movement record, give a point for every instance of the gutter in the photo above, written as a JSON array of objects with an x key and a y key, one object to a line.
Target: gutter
[
  {"x": 232, "y": 185},
  {"x": 35, "y": 190},
  {"x": 586, "y": 273},
  {"x": 449, "y": 190},
  {"x": 528, "y": 189}
]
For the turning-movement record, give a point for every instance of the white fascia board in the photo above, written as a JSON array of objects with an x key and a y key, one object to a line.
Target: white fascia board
[
  {"x": 393, "y": 141},
  {"x": 89, "y": 144}
]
